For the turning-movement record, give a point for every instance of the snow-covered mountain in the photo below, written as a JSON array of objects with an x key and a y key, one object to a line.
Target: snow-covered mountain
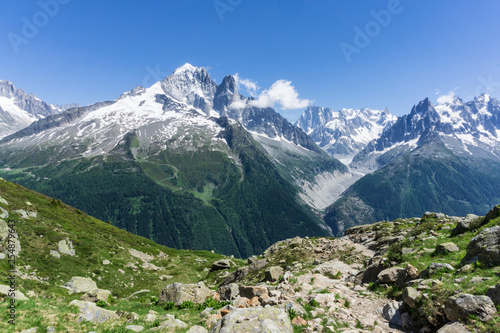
[
  {"x": 345, "y": 132},
  {"x": 18, "y": 109},
  {"x": 470, "y": 129}
]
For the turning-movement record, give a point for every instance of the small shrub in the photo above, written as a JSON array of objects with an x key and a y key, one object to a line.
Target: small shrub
[
  {"x": 347, "y": 304},
  {"x": 186, "y": 305},
  {"x": 169, "y": 306},
  {"x": 314, "y": 303},
  {"x": 101, "y": 303},
  {"x": 292, "y": 313},
  {"x": 153, "y": 299}
]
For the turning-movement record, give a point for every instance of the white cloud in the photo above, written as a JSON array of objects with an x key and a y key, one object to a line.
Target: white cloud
[
  {"x": 448, "y": 98},
  {"x": 283, "y": 93},
  {"x": 250, "y": 85}
]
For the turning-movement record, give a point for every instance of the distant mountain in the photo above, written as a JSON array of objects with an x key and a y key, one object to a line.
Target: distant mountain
[
  {"x": 180, "y": 163},
  {"x": 18, "y": 109},
  {"x": 438, "y": 158},
  {"x": 345, "y": 132}
]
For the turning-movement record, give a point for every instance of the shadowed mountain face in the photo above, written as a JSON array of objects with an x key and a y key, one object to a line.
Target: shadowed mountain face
[{"x": 437, "y": 158}]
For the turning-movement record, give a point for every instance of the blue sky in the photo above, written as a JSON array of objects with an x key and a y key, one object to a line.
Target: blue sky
[{"x": 90, "y": 51}]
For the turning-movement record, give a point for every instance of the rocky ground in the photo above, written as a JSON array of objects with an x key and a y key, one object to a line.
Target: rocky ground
[{"x": 431, "y": 274}]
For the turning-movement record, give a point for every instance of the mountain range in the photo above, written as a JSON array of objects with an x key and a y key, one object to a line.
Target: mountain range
[{"x": 190, "y": 163}]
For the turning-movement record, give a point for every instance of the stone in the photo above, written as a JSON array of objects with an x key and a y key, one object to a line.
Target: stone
[
  {"x": 229, "y": 292},
  {"x": 91, "y": 312},
  {"x": 253, "y": 302},
  {"x": 31, "y": 330},
  {"x": 258, "y": 265},
  {"x": 434, "y": 268},
  {"x": 178, "y": 293},
  {"x": 79, "y": 284},
  {"x": 478, "y": 279},
  {"x": 370, "y": 274},
  {"x": 236, "y": 276},
  {"x": 299, "y": 321},
  {"x": 334, "y": 268},
  {"x": 273, "y": 273},
  {"x": 4, "y": 213},
  {"x": 494, "y": 293},
  {"x": 50, "y": 329},
  {"x": 392, "y": 312},
  {"x": 197, "y": 329},
  {"x": 485, "y": 248},
  {"x": 96, "y": 295},
  {"x": 240, "y": 302},
  {"x": 469, "y": 223},
  {"x": 135, "y": 328},
  {"x": 461, "y": 306},
  {"x": 171, "y": 325},
  {"x": 66, "y": 247},
  {"x": 18, "y": 296},
  {"x": 149, "y": 317},
  {"x": 221, "y": 264},
  {"x": 106, "y": 262},
  {"x": 446, "y": 248},
  {"x": 255, "y": 320},
  {"x": 453, "y": 327},
  {"x": 55, "y": 254},
  {"x": 389, "y": 275},
  {"x": 4, "y": 230},
  {"x": 212, "y": 320},
  {"x": 411, "y": 296},
  {"x": 411, "y": 271},
  {"x": 492, "y": 214},
  {"x": 253, "y": 291},
  {"x": 252, "y": 259},
  {"x": 165, "y": 277}
]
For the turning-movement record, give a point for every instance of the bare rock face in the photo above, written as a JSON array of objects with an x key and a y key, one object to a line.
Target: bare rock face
[
  {"x": 485, "y": 247},
  {"x": 255, "y": 320},
  {"x": 461, "y": 306},
  {"x": 178, "y": 293}
]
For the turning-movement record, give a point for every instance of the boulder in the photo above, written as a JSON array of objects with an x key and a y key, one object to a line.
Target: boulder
[
  {"x": 485, "y": 247},
  {"x": 411, "y": 296},
  {"x": 258, "y": 264},
  {"x": 494, "y": 293},
  {"x": 66, "y": 247},
  {"x": 170, "y": 325},
  {"x": 96, "y": 295},
  {"x": 436, "y": 267},
  {"x": 492, "y": 214},
  {"x": 221, "y": 264},
  {"x": 178, "y": 293},
  {"x": 370, "y": 274},
  {"x": 55, "y": 254},
  {"x": 469, "y": 223},
  {"x": 453, "y": 327},
  {"x": 229, "y": 292},
  {"x": 389, "y": 275},
  {"x": 236, "y": 276},
  {"x": 253, "y": 291},
  {"x": 333, "y": 268},
  {"x": 79, "y": 284},
  {"x": 18, "y": 296},
  {"x": 461, "y": 306},
  {"x": 4, "y": 230},
  {"x": 392, "y": 312},
  {"x": 273, "y": 273},
  {"x": 197, "y": 329},
  {"x": 255, "y": 320},
  {"x": 91, "y": 312},
  {"x": 135, "y": 328},
  {"x": 446, "y": 248}
]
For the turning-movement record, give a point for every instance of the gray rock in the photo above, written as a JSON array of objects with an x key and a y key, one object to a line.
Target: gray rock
[
  {"x": 411, "y": 296},
  {"x": 273, "y": 273},
  {"x": 389, "y": 275},
  {"x": 370, "y": 274},
  {"x": 332, "y": 268},
  {"x": 494, "y": 293},
  {"x": 446, "y": 248},
  {"x": 197, "y": 329},
  {"x": 4, "y": 230},
  {"x": 66, "y": 247},
  {"x": 18, "y": 296},
  {"x": 229, "y": 292},
  {"x": 392, "y": 312},
  {"x": 255, "y": 320},
  {"x": 79, "y": 284},
  {"x": 4, "y": 213},
  {"x": 170, "y": 325},
  {"x": 135, "y": 328},
  {"x": 178, "y": 293},
  {"x": 453, "y": 327},
  {"x": 258, "y": 265},
  {"x": 106, "y": 262},
  {"x": 221, "y": 264},
  {"x": 469, "y": 223},
  {"x": 478, "y": 279},
  {"x": 492, "y": 214},
  {"x": 252, "y": 259},
  {"x": 50, "y": 329},
  {"x": 252, "y": 291},
  {"x": 485, "y": 247},
  {"x": 96, "y": 295},
  {"x": 461, "y": 306},
  {"x": 55, "y": 254},
  {"x": 236, "y": 276},
  {"x": 31, "y": 330},
  {"x": 434, "y": 268},
  {"x": 91, "y": 312}
]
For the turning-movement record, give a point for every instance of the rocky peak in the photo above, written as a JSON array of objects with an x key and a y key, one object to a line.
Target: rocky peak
[{"x": 226, "y": 94}]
